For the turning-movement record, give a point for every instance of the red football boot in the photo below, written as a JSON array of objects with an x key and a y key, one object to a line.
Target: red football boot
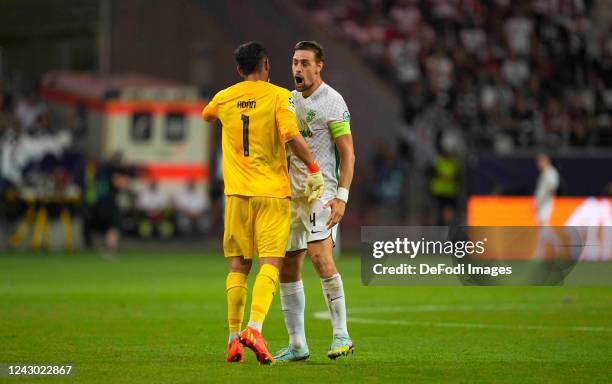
[
  {"x": 235, "y": 352},
  {"x": 253, "y": 340}
]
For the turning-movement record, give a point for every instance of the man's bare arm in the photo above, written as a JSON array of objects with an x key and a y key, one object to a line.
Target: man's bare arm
[
  {"x": 300, "y": 149},
  {"x": 344, "y": 144}
]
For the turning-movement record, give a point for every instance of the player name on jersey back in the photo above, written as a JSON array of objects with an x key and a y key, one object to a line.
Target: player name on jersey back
[{"x": 248, "y": 104}]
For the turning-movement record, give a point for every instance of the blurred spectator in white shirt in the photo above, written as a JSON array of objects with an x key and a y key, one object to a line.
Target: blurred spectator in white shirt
[
  {"x": 153, "y": 205},
  {"x": 152, "y": 201},
  {"x": 28, "y": 109},
  {"x": 518, "y": 32},
  {"x": 474, "y": 39},
  {"x": 515, "y": 71},
  {"x": 406, "y": 15},
  {"x": 192, "y": 207},
  {"x": 18, "y": 149}
]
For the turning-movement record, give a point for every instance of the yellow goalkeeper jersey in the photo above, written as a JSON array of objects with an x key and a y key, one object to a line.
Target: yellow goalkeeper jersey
[{"x": 258, "y": 118}]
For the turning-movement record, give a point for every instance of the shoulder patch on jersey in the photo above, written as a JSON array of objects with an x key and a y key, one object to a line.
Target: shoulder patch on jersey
[
  {"x": 346, "y": 116},
  {"x": 310, "y": 115},
  {"x": 291, "y": 105}
]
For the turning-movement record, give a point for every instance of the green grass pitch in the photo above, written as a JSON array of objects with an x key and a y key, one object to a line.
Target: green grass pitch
[{"x": 159, "y": 317}]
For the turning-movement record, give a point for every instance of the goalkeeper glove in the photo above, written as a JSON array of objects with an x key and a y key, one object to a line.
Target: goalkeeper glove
[{"x": 314, "y": 184}]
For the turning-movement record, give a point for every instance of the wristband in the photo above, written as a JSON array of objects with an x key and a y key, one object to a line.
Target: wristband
[
  {"x": 342, "y": 194},
  {"x": 313, "y": 167}
]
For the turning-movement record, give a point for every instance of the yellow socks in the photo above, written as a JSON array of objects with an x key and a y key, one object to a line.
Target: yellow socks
[
  {"x": 263, "y": 293},
  {"x": 264, "y": 289},
  {"x": 236, "y": 290}
]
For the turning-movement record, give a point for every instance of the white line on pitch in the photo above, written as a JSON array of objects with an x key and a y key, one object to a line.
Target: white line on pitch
[
  {"x": 455, "y": 308},
  {"x": 324, "y": 315}
]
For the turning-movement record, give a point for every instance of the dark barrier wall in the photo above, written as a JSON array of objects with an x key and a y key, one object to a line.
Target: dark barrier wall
[{"x": 514, "y": 175}]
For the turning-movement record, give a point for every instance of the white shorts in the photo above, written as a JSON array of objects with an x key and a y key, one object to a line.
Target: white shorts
[{"x": 308, "y": 224}]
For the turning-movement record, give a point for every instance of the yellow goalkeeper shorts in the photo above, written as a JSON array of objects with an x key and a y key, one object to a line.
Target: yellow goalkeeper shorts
[{"x": 256, "y": 225}]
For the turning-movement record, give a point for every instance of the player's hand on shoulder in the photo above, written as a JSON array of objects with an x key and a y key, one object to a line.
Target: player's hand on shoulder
[{"x": 337, "y": 211}]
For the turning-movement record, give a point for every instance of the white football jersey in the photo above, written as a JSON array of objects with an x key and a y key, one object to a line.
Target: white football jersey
[{"x": 314, "y": 115}]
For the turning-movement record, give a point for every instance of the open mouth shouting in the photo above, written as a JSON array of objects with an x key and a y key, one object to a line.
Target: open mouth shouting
[{"x": 299, "y": 82}]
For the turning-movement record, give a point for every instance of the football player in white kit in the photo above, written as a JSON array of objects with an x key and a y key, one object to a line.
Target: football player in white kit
[{"x": 324, "y": 121}]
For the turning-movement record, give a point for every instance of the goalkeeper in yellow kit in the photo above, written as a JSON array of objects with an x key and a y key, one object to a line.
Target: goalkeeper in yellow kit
[{"x": 258, "y": 119}]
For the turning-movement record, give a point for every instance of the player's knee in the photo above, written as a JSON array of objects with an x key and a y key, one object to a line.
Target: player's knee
[
  {"x": 241, "y": 265},
  {"x": 270, "y": 273},
  {"x": 290, "y": 271}
]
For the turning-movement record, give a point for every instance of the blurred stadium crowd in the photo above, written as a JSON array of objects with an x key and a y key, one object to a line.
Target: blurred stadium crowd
[
  {"x": 41, "y": 167},
  {"x": 475, "y": 76},
  {"x": 505, "y": 74}
]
